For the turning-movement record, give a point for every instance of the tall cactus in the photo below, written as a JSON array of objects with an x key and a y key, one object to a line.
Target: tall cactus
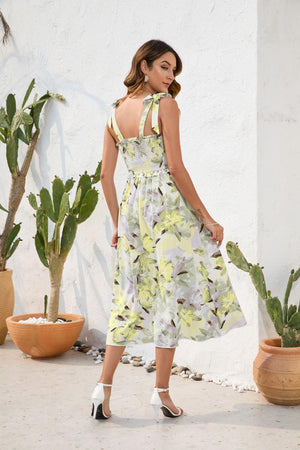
[
  {"x": 286, "y": 319},
  {"x": 65, "y": 217},
  {"x": 16, "y": 126}
]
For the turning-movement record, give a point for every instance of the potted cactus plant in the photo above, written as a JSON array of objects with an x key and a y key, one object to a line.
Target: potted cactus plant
[
  {"x": 53, "y": 338},
  {"x": 17, "y": 126},
  {"x": 276, "y": 368}
]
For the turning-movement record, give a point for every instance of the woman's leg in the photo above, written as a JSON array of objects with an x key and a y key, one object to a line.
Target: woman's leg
[
  {"x": 164, "y": 360},
  {"x": 112, "y": 358}
]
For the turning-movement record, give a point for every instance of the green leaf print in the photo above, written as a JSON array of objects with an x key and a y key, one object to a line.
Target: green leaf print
[
  {"x": 169, "y": 220},
  {"x": 206, "y": 295},
  {"x": 226, "y": 301},
  {"x": 165, "y": 269},
  {"x": 199, "y": 251},
  {"x": 148, "y": 243},
  {"x": 202, "y": 269},
  {"x": 220, "y": 265},
  {"x": 188, "y": 315},
  {"x": 146, "y": 290}
]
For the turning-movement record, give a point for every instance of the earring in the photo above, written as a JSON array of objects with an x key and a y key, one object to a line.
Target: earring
[{"x": 146, "y": 78}]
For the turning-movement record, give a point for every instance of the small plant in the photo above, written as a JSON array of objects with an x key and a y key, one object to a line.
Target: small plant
[
  {"x": 16, "y": 126},
  {"x": 286, "y": 319},
  {"x": 45, "y": 306},
  {"x": 53, "y": 253}
]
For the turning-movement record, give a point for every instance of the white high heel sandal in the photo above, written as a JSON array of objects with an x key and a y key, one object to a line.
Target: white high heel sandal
[
  {"x": 97, "y": 399},
  {"x": 157, "y": 403}
]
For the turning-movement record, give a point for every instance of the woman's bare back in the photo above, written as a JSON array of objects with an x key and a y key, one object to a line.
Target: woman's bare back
[{"x": 128, "y": 115}]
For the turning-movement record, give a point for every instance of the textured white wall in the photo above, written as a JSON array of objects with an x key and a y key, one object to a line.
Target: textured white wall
[
  {"x": 278, "y": 146},
  {"x": 83, "y": 50}
]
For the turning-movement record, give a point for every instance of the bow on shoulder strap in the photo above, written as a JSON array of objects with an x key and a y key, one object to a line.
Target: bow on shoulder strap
[
  {"x": 114, "y": 105},
  {"x": 152, "y": 99},
  {"x": 112, "y": 123}
]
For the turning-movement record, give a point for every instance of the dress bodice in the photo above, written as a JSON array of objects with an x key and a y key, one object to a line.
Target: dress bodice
[{"x": 143, "y": 154}]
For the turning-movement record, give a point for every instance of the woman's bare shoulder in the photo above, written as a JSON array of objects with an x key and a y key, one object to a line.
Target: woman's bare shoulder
[
  {"x": 118, "y": 102},
  {"x": 121, "y": 101},
  {"x": 168, "y": 105}
]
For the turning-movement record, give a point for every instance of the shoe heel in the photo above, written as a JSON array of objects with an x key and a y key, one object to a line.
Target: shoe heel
[
  {"x": 156, "y": 402},
  {"x": 156, "y": 411},
  {"x": 96, "y": 403}
]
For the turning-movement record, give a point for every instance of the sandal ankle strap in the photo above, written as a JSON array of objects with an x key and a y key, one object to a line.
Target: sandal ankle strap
[
  {"x": 109, "y": 385},
  {"x": 161, "y": 389}
]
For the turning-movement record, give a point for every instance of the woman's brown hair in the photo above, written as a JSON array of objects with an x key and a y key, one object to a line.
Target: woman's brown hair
[{"x": 150, "y": 51}]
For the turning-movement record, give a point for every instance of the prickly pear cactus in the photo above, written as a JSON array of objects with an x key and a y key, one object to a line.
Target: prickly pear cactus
[
  {"x": 66, "y": 218},
  {"x": 258, "y": 280},
  {"x": 18, "y": 126},
  {"x": 237, "y": 257},
  {"x": 290, "y": 337},
  {"x": 286, "y": 319}
]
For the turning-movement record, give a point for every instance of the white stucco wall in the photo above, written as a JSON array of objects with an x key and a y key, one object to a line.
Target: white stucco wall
[
  {"x": 278, "y": 147},
  {"x": 83, "y": 50}
]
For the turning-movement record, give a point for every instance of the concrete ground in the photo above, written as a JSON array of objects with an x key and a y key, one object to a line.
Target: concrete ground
[{"x": 45, "y": 404}]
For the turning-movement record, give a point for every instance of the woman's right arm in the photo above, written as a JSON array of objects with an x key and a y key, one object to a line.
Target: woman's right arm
[
  {"x": 109, "y": 161},
  {"x": 169, "y": 115}
]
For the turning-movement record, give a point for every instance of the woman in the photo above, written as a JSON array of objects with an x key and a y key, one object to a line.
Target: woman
[{"x": 170, "y": 280}]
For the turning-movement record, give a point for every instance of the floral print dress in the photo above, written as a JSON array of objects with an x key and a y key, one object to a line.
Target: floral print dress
[{"x": 170, "y": 280}]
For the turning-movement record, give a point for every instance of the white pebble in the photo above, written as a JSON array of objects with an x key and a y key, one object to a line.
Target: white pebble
[
  {"x": 39, "y": 320},
  {"x": 35, "y": 320},
  {"x": 125, "y": 358},
  {"x": 206, "y": 377}
]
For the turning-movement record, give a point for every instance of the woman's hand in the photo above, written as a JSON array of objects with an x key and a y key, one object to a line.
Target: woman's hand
[
  {"x": 216, "y": 230},
  {"x": 114, "y": 238}
]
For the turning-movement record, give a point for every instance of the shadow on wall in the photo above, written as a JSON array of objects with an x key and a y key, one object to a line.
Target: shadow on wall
[
  {"x": 92, "y": 336},
  {"x": 42, "y": 174},
  {"x": 35, "y": 65},
  {"x": 104, "y": 267}
]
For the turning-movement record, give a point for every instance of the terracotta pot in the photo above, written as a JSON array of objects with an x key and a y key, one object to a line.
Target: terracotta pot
[
  {"x": 7, "y": 301},
  {"x": 44, "y": 340},
  {"x": 276, "y": 372}
]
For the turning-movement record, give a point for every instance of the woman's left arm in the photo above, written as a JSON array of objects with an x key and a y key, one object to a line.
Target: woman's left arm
[{"x": 109, "y": 161}]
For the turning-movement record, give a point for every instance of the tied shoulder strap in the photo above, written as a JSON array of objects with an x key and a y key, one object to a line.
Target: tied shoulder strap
[
  {"x": 151, "y": 100},
  {"x": 112, "y": 122}
]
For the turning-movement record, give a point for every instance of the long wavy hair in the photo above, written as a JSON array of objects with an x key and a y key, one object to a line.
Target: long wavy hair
[{"x": 150, "y": 51}]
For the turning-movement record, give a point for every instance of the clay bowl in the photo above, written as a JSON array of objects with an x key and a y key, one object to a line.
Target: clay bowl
[{"x": 44, "y": 340}]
